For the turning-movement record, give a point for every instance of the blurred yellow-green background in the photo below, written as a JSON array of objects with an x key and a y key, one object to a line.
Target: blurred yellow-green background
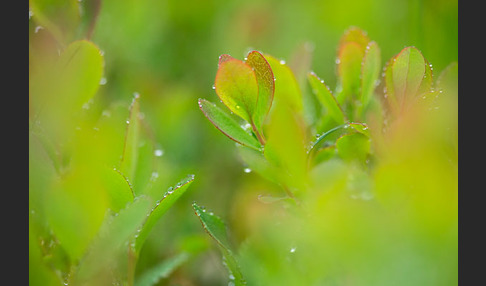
[{"x": 167, "y": 52}]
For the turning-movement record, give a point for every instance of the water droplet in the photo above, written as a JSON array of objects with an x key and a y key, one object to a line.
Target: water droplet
[
  {"x": 128, "y": 121},
  {"x": 158, "y": 152},
  {"x": 154, "y": 176},
  {"x": 31, "y": 14},
  {"x": 292, "y": 250},
  {"x": 282, "y": 62},
  {"x": 103, "y": 81},
  {"x": 213, "y": 87},
  {"x": 136, "y": 95},
  {"x": 38, "y": 28},
  {"x": 338, "y": 61},
  {"x": 247, "y": 170}
]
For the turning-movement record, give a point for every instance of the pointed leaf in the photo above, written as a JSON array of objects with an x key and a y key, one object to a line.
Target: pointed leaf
[
  {"x": 227, "y": 125},
  {"x": 162, "y": 270},
  {"x": 128, "y": 162},
  {"x": 160, "y": 208},
  {"x": 370, "y": 72},
  {"x": 326, "y": 98},
  {"x": 266, "y": 86},
  {"x": 237, "y": 87},
  {"x": 216, "y": 228},
  {"x": 447, "y": 82}
]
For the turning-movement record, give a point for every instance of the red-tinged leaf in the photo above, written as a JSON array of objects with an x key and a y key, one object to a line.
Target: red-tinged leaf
[
  {"x": 389, "y": 91},
  {"x": 227, "y": 125},
  {"x": 408, "y": 72},
  {"x": 237, "y": 87},
  {"x": 370, "y": 71},
  {"x": 266, "y": 86},
  {"x": 223, "y": 58},
  {"x": 427, "y": 81},
  {"x": 326, "y": 98},
  {"x": 355, "y": 35}
]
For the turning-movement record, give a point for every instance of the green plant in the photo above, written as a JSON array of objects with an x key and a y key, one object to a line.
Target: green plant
[
  {"x": 95, "y": 186},
  {"x": 369, "y": 177}
]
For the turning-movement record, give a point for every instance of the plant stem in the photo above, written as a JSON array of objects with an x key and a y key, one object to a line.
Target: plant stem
[
  {"x": 260, "y": 137},
  {"x": 132, "y": 262}
]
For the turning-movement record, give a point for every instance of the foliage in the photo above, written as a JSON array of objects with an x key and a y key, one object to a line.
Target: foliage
[
  {"x": 366, "y": 206},
  {"x": 351, "y": 181}
]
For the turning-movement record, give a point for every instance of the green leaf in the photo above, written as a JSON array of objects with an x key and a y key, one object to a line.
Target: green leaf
[
  {"x": 353, "y": 146},
  {"x": 118, "y": 188},
  {"x": 114, "y": 234},
  {"x": 285, "y": 147},
  {"x": 408, "y": 70},
  {"x": 160, "y": 208},
  {"x": 370, "y": 72},
  {"x": 216, "y": 228},
  {"x": 60, "y": 17},
  {"x": 350, "y": 58},
  {"x": 237, "y": 87},
  {"x": 80, "y": 71},
  {"x": 266, "y": 86},
  {"x": 326, "y": 98},
  {"x": 257, "y": 162},
  {"x": 162, "y": 270},
  {"x": 287, "y": 89},
  {"x": 128, "y": 162},
  {"x": 227, "y": 125},
  {"x": 447, "y": 82}
]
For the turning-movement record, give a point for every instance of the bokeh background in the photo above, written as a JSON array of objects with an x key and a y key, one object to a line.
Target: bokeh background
[{"x": 167, "y": 51}]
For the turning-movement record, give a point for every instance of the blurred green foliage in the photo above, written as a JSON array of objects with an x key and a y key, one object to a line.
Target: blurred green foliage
[{"x": 167, "y": 52}]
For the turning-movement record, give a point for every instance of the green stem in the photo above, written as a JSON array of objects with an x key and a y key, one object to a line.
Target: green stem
[
  {"x": 132, "y": 263},
  {"x": 260, "y": 137}
]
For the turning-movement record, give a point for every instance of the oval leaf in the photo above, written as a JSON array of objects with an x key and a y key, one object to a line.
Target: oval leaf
[
  {"x": 350, "y": 58},
  {"x": 227, "y": 125},
  {"x": 353, "y": 146},
  {"x": 237, "y": 87},
  {"x": 408, "y": 71}
]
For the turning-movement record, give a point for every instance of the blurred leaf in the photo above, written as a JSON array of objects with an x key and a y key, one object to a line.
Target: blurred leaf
[
  {"x": 257, "y": 162},
  {"x": 447, "y": 81},
  {"x": 75, "y": 206},
  {"x": 326, "y": 98},
  {"x": 427, "y": 81},
  {"x": 118, "y": 188},
  {"x": 356, "y": 35},
  {"x": 162, "y": 270},
  {"x": 285, "y": 146},
  {"x": 223, "y": 58},
  {"x": 237, "y": 87},
  {"x": 353, "y": 146},
  {"x": 114, "y": 234},
  {"x": 361, "y": 128},
  {"x": 227, "y": 125},
  {"x": 286, "y": 86},
  {"x": 216, "y": 228},
  {"x": 408, "y": 70},
  {"x": 370, "y": 72},
  {"x": 80, "y": 71},
  {"x": 266, "y": 86},
  {"x": 89, "y": 15},
  {"x": 60, "y": 17},
  {"x": 160, "y": 208},
  {"x": 350, "y": 57},
  {"x": 128, "y": 162}
]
